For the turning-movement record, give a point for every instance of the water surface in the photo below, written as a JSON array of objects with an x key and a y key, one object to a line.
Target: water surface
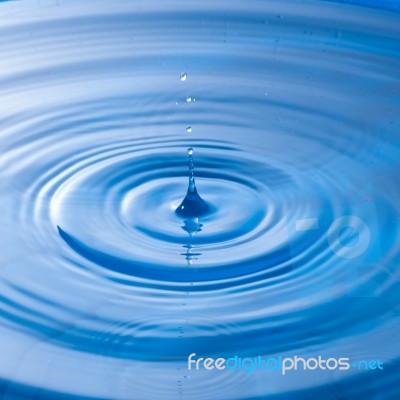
[{"x": 293, "y": 114}]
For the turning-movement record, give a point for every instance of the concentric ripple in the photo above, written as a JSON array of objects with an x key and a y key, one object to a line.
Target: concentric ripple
[
  {"x": 292, "y": 114},
  {"x": 133, "y": 192}
]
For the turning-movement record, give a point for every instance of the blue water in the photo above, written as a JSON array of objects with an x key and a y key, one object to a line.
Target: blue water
[{"x": 290, "y": 242}]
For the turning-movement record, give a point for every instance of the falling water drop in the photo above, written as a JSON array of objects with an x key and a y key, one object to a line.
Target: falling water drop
[
  {"x": 192, "y": 205},
  {"x": 188, "y": 129},
  {"x": 183, "y": 76},
  {"x": 189, "y": 99}
]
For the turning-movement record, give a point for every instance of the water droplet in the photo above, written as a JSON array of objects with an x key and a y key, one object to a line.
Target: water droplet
[
  {"x": 189, "y": 99},
  {"x": 190, "y": 151},
  {"x": 183, "y": 76},
  {"x": 189, "y": 129}
]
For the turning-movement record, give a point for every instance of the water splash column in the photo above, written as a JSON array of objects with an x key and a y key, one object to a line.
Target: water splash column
[{"x": 192, "y": 206}]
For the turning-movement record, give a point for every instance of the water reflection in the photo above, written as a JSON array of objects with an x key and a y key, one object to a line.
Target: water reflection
[{"x": 191, "y": 226}]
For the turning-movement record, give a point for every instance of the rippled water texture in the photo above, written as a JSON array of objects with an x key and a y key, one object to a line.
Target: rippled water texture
[{"x": 292, "y": 109}]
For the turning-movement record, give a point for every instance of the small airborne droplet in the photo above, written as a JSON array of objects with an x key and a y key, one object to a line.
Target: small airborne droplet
[
  {"x": 189, "y": 129},
  {"x": 183, "y": 76},
  {"x": 190, "y": 151},
  {"x": 189, "y": 99}
]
